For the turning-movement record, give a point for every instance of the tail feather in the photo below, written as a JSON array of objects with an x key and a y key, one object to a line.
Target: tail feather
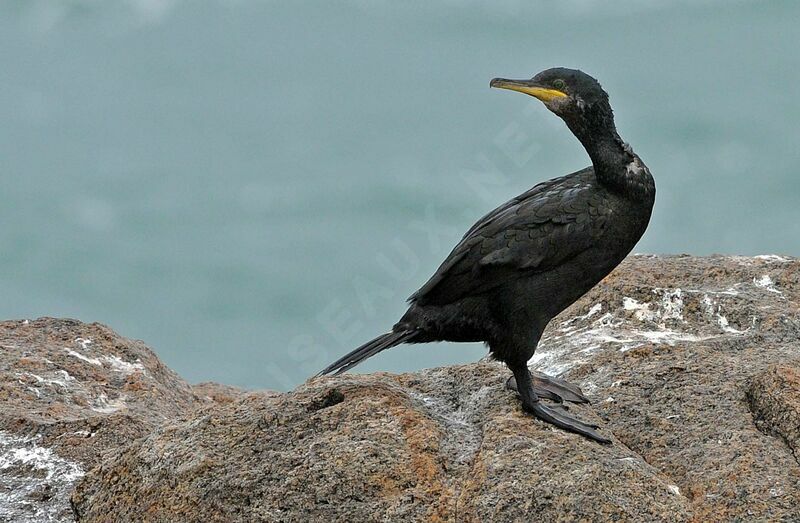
[{"x": 369, "y": 349}]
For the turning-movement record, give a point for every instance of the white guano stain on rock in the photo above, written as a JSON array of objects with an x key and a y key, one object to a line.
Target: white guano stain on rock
[
  {"x": 669, "y": 307},
  {"x": 714, "y": 310},
  {"x": 28, "y": 473},
  {"x": 772, "y": 258},
  {"x": 58, "y": 378},
  {"x": 115, "y": 363},
  {"x": 83, "y": 342},
  {"x": 595, "y": 309},
  {"x": 765, "y": 282},
  {"x": 667, "y": 336},
  {"x": 636, "y": 323},
  {"x": 104, "y": 405},
  {"x": 730, "y": 291},
  {"x": 671, "y": 304},
  {"x": 91, "y": 361},
  {"x": 641, "y": 311}
]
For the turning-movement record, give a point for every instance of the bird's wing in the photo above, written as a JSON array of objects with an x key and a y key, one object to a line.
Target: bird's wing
[{"x": 536, "y": 231}]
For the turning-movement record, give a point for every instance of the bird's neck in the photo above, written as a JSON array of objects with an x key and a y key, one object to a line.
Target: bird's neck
[{"x": 615, "y": 164}]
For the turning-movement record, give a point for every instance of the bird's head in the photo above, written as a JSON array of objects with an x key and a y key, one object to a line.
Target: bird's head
[{"x": 571, "y": 94}]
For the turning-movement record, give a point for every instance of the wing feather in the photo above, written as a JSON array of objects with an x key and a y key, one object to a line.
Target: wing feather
[{"x": 536, "y": 231}]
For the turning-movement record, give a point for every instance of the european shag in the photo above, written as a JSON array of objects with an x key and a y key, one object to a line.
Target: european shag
[{"x": 532, "y": 257}]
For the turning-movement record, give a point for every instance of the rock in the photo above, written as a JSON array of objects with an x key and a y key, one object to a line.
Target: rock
[
  {"x": 673, "y": 368},
  {"x": 210, "y": 391},
  {"x": 692, "y": 364},
  {"x": 68, "y": 393},
  {"x": 363, "y": 448},
  {"x": 774, "y": 397}
]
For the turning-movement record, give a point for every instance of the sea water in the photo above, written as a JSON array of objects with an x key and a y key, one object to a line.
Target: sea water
[{"x": 255, "y": 187}]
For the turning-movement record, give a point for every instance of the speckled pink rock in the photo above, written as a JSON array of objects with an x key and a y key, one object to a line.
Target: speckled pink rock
[{"x": 682, "y": 356}]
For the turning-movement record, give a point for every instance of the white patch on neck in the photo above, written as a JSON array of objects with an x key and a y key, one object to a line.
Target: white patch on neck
[
  {"x": 579, "y": 102},
  {"x": 635, "y": 168}
]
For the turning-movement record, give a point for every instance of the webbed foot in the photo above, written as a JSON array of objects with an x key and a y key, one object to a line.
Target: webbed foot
[
  {"x": 550, "y": 388},
  {"x": 523, "y": 382},
  {"x": 560, "y": 419}
]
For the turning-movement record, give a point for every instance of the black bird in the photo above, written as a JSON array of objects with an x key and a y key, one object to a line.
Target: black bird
[{"x": 532, "y": 257}]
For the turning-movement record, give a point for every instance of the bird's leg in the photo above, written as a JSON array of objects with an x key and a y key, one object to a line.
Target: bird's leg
[
  {"x": 554, "y": 416},
  {"x": 551, "y": 388}
]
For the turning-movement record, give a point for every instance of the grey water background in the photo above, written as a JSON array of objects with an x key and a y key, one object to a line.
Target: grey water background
[{"x": 254, "y": 188}]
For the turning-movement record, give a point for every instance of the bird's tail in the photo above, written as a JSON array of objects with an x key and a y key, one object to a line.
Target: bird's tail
[{"x": 371, "y": 348}]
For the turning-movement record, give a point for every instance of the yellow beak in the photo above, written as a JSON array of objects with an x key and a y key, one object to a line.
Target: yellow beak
[{"x": 544, "y": 94}]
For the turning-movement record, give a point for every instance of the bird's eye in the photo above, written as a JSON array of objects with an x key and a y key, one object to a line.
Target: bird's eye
[{"x": 559, "y": 84}]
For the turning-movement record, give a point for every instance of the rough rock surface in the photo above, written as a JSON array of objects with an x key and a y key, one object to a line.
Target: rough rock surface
[
  {"x": 692, "y": 364},
  {"x": 775, "y": 400},
  {"x": 68, "y": 392},
  {"x": 675, "y": 366}
]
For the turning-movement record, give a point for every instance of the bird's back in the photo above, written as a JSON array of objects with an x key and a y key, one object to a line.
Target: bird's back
[{"x": 540, "y": 231}]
